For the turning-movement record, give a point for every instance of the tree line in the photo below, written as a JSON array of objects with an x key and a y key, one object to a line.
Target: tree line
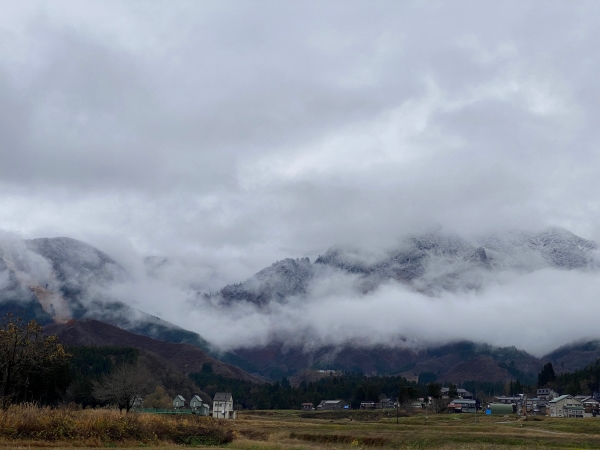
[
  {"x": 37, "y": 368},
  {"x": 353, "y": 388}
]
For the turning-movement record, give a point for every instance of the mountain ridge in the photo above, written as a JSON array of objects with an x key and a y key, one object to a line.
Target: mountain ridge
[
  {"x": 47, "y": 269},
  {"x": 458, "y": 264}
]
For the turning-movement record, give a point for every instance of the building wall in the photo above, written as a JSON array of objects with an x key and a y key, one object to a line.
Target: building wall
[
  {"x": 562, "y": 407},
  {"x": 227, "y": 407}
]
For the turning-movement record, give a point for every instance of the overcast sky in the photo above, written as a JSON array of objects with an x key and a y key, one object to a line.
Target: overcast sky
[{"x": 233, "y": 134}]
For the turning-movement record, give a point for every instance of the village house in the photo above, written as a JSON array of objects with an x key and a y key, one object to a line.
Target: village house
[
  {"x": 546, "y": 394},
  {"x": 199, "y": 407},
  {"x": 368, "y": 405},
  {"x": 462, "y": 405},
  {"x": 307, "y": 407},
  {"x": 508, "y": 400},
  {"x": 179, "y": 402},
  {"x": 332, "y": 404},
  {"x": 462, "y": 393},
  {"x": 565, "y": 406},
  {"x": 385, "y": 403},
  {"x": 223, "y": 406},
  {"x": 591, "y": 406},
  {"x": 534, "y": 405}
]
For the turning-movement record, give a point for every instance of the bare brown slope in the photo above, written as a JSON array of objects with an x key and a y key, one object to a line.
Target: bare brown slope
[{"x": 186, "y": 358}]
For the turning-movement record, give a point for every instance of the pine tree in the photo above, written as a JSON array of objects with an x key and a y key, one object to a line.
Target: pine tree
[{"x": 546, "y": 375}]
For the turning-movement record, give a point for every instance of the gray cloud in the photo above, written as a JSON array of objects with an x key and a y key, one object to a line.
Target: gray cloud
[{"x": 231, "y": 135}]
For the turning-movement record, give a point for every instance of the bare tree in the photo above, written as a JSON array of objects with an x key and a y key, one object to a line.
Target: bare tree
[
  {"x": 30, "y": 363},
  {"x": 122, "y": 385}
]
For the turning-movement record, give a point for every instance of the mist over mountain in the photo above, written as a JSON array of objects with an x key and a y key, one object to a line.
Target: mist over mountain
[
  {"x": 377, "y": 311},
  {"x": 62, "y": 279},
  {"x": 430, "y": 263}
]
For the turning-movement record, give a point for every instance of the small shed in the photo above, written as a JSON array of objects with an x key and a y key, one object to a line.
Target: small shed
[
  {"x": 307, "y": 407},
  {"x": 179, "y": 402}
]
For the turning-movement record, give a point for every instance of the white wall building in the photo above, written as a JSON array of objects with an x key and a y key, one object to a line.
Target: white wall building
[
  {"x": 565, "y": 406},
  {"x": 223, "y": 406}
]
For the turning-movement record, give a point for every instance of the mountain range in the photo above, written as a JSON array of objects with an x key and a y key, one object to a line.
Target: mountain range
[
  {"x": 64, "y": 284},
  {"x": 428, "y": 263}
]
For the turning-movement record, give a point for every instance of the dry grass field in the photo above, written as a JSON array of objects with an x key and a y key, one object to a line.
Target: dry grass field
[
  {"x": 294, "y": 430},
  {"x": 22, "y": 428}
]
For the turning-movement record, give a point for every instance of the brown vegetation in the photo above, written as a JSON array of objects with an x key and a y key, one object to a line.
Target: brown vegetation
[
  {"x": 99, "y": 427},
  {"x": 265, "y": 430},
  {"x": 185, "y": 357}
]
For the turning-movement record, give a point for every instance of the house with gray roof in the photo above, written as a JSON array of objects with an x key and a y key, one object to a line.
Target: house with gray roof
[
  {"x": 332, "y": 404},
  {"x": 199, "y": 407},
  {"x": 179, "y": 402},
  {"x": 223, "y": 406},
  {"x": 546, "y": 394}
]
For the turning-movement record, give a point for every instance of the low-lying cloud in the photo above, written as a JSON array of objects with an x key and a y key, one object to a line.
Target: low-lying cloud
[{"x": 536, "y": 311}]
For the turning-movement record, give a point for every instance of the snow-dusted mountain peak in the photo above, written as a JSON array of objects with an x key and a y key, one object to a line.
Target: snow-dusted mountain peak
[{"x": 430, "y": 263}]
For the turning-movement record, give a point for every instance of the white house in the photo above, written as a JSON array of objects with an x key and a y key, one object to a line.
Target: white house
[
  {"x": 199, "y": 407},
  {"x": 179, "y": 402},
  {"x": 565, "y": 406},
  {"x": 223, "y": 406}
]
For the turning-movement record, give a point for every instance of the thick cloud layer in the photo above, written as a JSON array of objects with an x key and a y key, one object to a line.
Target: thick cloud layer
[
  {"x": 229, "y": 135},
  {"x": 514, "y": 308}
]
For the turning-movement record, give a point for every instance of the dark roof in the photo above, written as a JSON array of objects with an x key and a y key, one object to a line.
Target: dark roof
[{"x": 222, "y": 397}]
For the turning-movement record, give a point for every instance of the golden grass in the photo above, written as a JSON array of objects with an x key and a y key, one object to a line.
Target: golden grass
[
  {"x": 289, "y": 430},
  {"x": 94, "y": 428},
  {"x": 23, "y": 427}
]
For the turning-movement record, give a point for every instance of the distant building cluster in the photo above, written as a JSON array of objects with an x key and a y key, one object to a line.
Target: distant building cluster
[
  {"x": 547, "y": 402},
  {"x": 222, "y": 406}
]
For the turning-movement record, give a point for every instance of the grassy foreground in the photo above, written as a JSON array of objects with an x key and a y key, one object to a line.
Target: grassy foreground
[
  {"x": 33, "y": 426},
  {"x": 297, "y": 430},
  {"x": 23, "y": 427}
]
